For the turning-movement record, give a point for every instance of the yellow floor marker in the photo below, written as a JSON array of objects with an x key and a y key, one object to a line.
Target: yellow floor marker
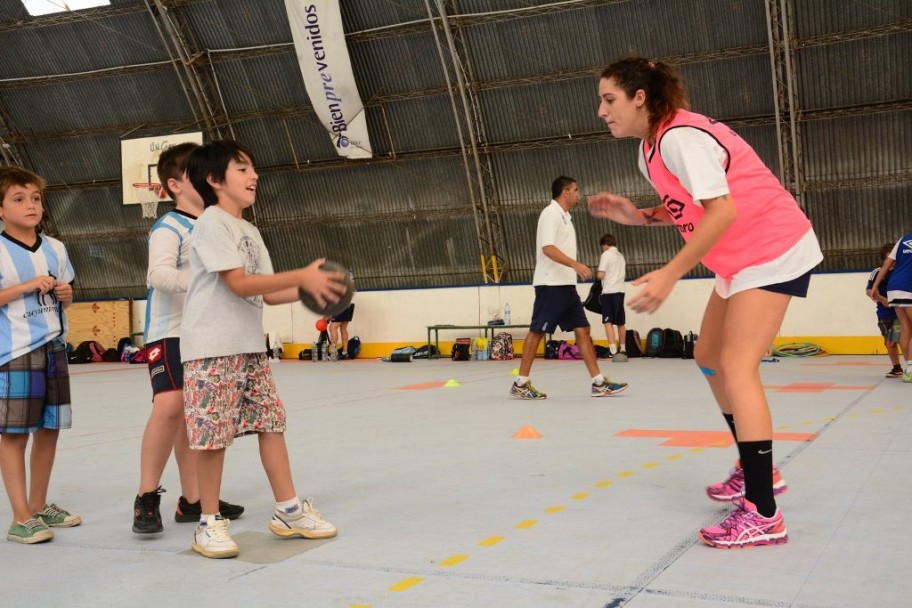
[
  {"x": 650, "y": 465},
  {"x": 604, "y": 484},
  {"x": 626, "y": 474},
  {"x": 451, "y": 383},
  {"x": 490, "y": 542},
  {"x": 674, "y": 457},
  {"x": 514, "y": 371},
  {"x": 453, "y": 560},
  {"x": 526, "y": 524},
  {"x": 580, "y": 496},
  {"x": 406, "y": 583},
  {"x": 555, "y": 509}
]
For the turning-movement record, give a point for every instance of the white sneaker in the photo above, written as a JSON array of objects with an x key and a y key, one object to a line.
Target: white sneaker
[
  {"x": 213, "y": 540},
  {"x": 306, "y": 523}
]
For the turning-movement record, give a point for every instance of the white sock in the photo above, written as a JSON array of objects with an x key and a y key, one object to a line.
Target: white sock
[
  {"x": 204, "y": 519},
  {"x": 598, "y": 379},
  {"x": 613, "y": 348},
  {"x": 289, "y": 506},
  {"x": 521, "y": 379}
]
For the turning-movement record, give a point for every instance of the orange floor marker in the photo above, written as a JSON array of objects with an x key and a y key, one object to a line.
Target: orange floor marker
[{"x": 527, "y": 432}]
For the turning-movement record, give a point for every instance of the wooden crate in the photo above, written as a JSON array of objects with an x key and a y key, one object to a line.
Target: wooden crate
[{"x": 105, "y": 322}]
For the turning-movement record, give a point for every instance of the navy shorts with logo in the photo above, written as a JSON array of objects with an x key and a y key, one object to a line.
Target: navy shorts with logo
[
  {"x": 613, "y": 308},
  {"x": 557, "y": 305},
  {"x": 165, "y": 368}
]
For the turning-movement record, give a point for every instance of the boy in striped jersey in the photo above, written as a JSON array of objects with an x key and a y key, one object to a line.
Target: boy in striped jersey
[
  {"x": 35, "y": 287},
  {"x": 167, "y": 279}
]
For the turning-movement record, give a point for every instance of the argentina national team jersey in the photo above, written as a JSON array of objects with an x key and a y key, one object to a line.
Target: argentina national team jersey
[
  {"x": 29, "y": 322},
  {"x": 168, "y": 275}
]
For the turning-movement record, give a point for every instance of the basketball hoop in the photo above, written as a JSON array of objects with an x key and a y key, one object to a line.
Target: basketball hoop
[{"x": 150, "y": 206}]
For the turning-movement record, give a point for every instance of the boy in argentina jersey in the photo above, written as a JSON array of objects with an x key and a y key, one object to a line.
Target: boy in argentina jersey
[{"x": 35, "y": 286}]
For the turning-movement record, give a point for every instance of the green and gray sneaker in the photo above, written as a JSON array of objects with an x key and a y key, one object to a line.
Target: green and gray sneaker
[
  {"x": 526, "y": 391},
  {"x": 57, "y": 517},
  {"x": 31, "y": 532},
  {"x": 608, "y": 388}
]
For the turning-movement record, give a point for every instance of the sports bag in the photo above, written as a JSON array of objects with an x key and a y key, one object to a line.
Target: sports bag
[
  {"x": 655, "y": 342},
  {"x": 354, "y": 347},
  {"x": 502, "y": 347},
  {"x": 689, "y": 342},
  {"x": 461, "y": 350},
  {"x": 551, "y": 348},
  {"x": 632, "y": 344},
  {"x": 569, "y": 351},
  {"x": 672, "y": 344},
  {"x": 592, "y": 303}
]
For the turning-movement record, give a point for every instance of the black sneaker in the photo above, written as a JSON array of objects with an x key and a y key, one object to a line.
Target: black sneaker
[
  {"x": 192, "y": 511},
  {"x": 146, "y": 516}
]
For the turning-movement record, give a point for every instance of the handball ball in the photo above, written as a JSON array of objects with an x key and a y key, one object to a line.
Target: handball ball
[
  {"x": 334, "y": 308},
  {"x": 322, "y": 324}
]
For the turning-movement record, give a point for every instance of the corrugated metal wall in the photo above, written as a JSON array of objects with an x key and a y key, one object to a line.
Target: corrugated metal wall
[{"x": 405, "y": 217}]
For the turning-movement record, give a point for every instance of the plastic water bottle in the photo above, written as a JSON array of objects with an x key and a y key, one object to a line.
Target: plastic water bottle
[
  {"x": 314, "y": 352},
  {"x": 333, "y": 352},
  {"x": 325, "y": 353},
  {"x": 506, "y": 316}
]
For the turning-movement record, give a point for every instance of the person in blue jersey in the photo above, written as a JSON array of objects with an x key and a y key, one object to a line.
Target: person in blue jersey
[
  {"x": 899, "y": 294},
  {"x": 167, "y": 278},
  {"x": 36, "y": 279},
  {"x": 887, "y": 321}
]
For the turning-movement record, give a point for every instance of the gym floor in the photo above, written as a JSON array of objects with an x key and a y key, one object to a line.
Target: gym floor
[{"x": 437, "y": 504}]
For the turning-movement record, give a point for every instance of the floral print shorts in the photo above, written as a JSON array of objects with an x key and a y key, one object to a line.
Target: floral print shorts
[{"x": 226, "y": 397}]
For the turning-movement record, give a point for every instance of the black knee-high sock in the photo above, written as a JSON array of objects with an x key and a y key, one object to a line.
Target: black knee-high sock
[
  {"x": 730, "y": 420},
  {"x": 757, "y": 462}
]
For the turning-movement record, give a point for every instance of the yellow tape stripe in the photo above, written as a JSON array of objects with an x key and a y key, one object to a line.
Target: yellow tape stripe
[{"x": 407, "y": 583}]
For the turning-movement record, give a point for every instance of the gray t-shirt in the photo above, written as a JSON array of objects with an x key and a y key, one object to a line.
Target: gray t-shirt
[{"x": 216, "y": 322}]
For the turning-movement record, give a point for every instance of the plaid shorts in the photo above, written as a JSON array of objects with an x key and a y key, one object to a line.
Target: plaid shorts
[
  {"x": 227, "y": 397},
  {"x": 35, "y": 391}
]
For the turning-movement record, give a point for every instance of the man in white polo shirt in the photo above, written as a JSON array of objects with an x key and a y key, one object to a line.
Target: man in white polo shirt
[{"x": 557, "y": 304}]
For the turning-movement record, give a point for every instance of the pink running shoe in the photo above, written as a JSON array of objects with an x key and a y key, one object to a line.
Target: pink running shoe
[
  {"x": 745, "y": 527},
  {"x": 733, "y": 487}
]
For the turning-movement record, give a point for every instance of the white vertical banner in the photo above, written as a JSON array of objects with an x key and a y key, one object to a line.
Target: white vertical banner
[{"x": 316, "y": 28}]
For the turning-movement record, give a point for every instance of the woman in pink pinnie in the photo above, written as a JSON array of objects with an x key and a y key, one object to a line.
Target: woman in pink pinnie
[{"x": 738, "y": 220}]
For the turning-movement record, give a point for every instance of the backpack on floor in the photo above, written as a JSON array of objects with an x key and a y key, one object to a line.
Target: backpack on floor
[
  {"x": 672, "y": 344},
  {"x": 502, "y": 347},
  {"x": 689, "y": 342},
  {"x": 123, "y": 342},
  {"x": 551, "y": 348},
  {"x": 461, "y": 350},
  {"x": 655, "y": 342},
  {"x": 110, "y": 356},
  {"x": 354, "y": 347},
  {"x": 88, "y": 352},
  {"x": 632, "y": 344}
]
